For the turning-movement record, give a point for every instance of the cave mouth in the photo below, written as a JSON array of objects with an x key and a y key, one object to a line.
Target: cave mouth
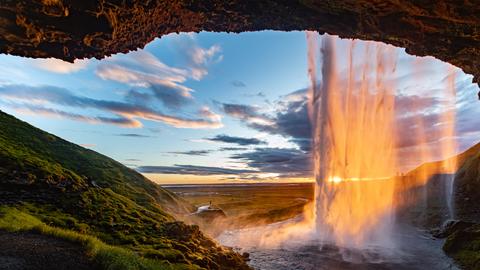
[
  {"x": 169, "y": 70},
  {"x": 140, "y": 69}
]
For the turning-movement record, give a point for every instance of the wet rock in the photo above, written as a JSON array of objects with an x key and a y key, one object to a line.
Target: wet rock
[
  {"x": 210, "y": 213},
  {"x": 463, "y": 245},
  {"x": 450, "y": 227}
]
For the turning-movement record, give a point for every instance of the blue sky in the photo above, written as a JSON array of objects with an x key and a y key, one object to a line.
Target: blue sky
[{"x": 201, "y": 107}]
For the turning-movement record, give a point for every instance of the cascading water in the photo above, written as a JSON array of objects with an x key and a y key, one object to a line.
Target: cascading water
[
  {"x": 371, "y": 132},
  {"x": 373, "y": 126},
  {"x": 355, "y": 149},
  {"x": 353, "y": 122}
]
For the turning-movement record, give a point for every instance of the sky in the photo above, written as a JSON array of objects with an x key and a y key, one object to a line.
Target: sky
[{"x": 209, "y": 107}]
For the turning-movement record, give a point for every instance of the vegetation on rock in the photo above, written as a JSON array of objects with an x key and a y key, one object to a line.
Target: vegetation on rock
[{"x": 69, "y": 187}]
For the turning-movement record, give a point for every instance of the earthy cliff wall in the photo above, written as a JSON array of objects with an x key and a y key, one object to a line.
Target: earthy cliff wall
[{"x": 69, "y": 29}]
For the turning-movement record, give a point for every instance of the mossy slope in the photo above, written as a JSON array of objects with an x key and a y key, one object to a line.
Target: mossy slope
[{"x": 67, "y": 186}]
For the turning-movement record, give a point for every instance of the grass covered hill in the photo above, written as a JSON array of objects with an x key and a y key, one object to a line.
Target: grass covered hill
[{"x": 68, "y": 187}]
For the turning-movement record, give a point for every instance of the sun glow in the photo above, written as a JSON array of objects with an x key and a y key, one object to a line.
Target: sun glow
[{"x": 335, "y": 179}]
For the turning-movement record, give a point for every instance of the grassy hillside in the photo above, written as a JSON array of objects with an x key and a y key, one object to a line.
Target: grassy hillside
[{"x": 67, "y": 186}]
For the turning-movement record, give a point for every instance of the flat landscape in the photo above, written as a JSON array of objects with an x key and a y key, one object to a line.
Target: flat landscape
[{"x": 247, "y": 205}]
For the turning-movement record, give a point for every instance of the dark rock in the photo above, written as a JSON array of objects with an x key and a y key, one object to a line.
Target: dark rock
[
  {"x": 450, "y": 227},
  {"x": 464, "y": 246},
  {"x": 467, "y": 190},
  {"x": 246, "y": 256},
  {"x": 448, "y": 30},
  {"x": 210, "y": 214}
]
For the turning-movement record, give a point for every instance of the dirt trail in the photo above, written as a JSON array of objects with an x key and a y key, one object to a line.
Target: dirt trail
[{"x": 28, "y": 251}]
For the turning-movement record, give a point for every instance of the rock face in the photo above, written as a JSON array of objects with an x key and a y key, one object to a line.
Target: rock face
[
  {"x": 69, "y": 29},
  {"x": 467, "y": 190},
  {"x": 463, "y": 244}
]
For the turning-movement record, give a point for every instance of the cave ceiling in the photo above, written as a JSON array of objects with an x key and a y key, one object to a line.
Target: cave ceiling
[{"x": 447, "y": 30}]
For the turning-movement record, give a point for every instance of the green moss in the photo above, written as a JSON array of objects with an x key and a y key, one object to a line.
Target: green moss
[
  {"x": 464, "y": 247},
  {"x": 30, "y": 155},
  {"x": 76, "y": 191}
]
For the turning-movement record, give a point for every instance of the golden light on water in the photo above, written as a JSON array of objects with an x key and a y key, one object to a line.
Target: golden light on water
[
  {"x": 335, "y": 179},
  {"x": 361, "y": 145},
  {"x": 355, "y": 144}
]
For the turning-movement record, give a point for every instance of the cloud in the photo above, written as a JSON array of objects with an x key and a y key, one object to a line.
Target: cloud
[
  {"x": 126, "y": 114},
  {"x": 197, "y": 58},
  {"x": 193, "y": 170},
  {"x": 132, "y": 159},
  {"x": 142, "y": 69},
  {"x": 157, "y": 80},
  {"x": 283, "y": 161},
  {"x": 193, "y": 152},
  {"x": 59, "y": 66},
  {"x": 133, "y": 135},
  {"x": 237, "y": 83},
  {"x": 236, "y": 140},
  {"x": 201, "y": 58},
  {"x": 233, "y": 149},
  {"x": 247, "y": 113},
  {"x": 171, "y": 98},
  {"x": 207, "y": 152},
  {"x": 37, "y": 110},
  {"x": 257, "y": 95},
  {"x": 288, "y": 119}
]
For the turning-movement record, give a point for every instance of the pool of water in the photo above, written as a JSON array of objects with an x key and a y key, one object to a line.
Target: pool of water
[{"x": 414, "y": 249}]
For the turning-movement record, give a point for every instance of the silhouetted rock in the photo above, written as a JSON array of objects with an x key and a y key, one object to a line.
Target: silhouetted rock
[{"x": 447, "y": 30}]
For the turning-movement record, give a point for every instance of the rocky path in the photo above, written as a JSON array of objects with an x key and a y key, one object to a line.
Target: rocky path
[{"x": 28, "y": 251}]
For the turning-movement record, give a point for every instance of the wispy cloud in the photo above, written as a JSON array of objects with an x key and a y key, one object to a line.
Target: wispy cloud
[
  {"x": 193, "y": 152},
  {"x": 153, "y": 79},
  {"x": 236, "y": 140},
  {"x": 232, "y": 149},
  {"x": 238, "y": 83},
  {"x": 133, "y": 135},
  {"x": 48, "y": 112},
  {"x": 35, "y": 99},
  {"x": 283, "y": 161},
  {"x": 142, "y": 69},
  {"x": 59, "y": 66},
  {"x": 247, "y": 113},
  {"x": 132, "y": 159},
  {"x": 192, "y": 170},
  {"x": 197, "y": 57},
  {"x": 201, "y": 58}
]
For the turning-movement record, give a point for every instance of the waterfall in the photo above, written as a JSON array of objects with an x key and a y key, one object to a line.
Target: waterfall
[{"x": 356, "y": 151}]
